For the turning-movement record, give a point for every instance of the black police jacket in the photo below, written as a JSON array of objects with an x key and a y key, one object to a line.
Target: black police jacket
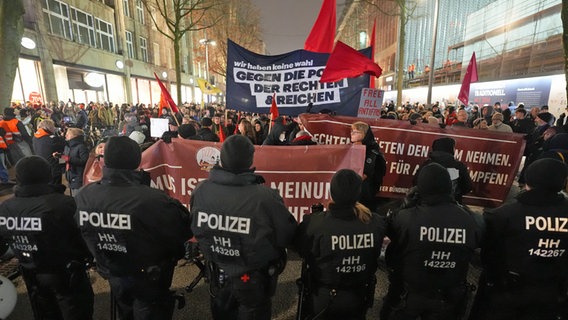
[
  {"x": 129, "y": 226},
  {"x": 38, "y": 223},
  {"x": 341, "y": 251},
  {"x": 432, "y": 244},
  {"x": 240, "y": 224},
  {"x": 527, "y": 239}
]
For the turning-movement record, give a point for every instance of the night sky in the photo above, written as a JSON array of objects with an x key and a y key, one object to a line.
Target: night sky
[{"x": 287, "y": 23}]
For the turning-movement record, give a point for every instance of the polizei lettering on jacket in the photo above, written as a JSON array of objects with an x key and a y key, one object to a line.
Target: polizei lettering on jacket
[
  {"x": 21, "y": 223},
  {"x": 352, "y": 241},
  {"x": 552, "y": 224},
  {"x": 105, "y": 220},
  {"x": 443, "y": 235},
  {"x": 223, "y": 223}
]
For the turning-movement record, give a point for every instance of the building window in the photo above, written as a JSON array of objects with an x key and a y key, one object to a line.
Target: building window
[
  {"x": 140, "y": 11},
  {"x": 129, "y": 45},
  {"x": 144, "y": 49},
  {"x": 106, "y": 35},
  {"x": 156, "y": 54},
  {"x": 83, "y": 27},
  {"x": 56, "y": 18},
  {"x": 126, "y": 8}
]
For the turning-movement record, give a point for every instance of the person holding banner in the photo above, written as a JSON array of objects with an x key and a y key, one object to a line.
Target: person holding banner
[
  {"x": 242, "y": 228},
  {"x": 339, "y": 279},
  {"x": 375, "y": 163},
  {"x": 524, "y": 256}
]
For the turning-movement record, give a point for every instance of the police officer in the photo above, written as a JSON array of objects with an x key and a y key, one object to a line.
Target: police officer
[
  {"x": 525, "y": 251},
  {"x": 39, "y": 225},
  {"x": 432, "y": 242},
  {"x": 242, "y": 228},
  {"x": 135, "y": 233},
  {"x": 341, "y": 248}
]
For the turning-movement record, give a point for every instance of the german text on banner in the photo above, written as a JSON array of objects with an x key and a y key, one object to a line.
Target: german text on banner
[
  {"x": 301, "y": 174},
  {"x": 492, "y": 158},
  {"x": 294, "y": 77}
]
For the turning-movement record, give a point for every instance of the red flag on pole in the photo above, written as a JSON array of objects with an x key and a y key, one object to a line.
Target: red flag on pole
[
  {"x": 322, "y": 36},
  {"x": 346, "y": 62},
  {"x": 372, "y": 80},
  {"x": 221, "y": 133},
  {"x": 167, "y": 95},
  {"x": 274, "y": 108},
  {"x": 470, "y": 76}
]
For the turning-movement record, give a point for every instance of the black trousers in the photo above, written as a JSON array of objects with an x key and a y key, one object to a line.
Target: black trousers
[
  {"x": 141, "y": 298},
  {"x": 542, "y": 302},
  {"x": 341, "y": 305},
  {"x": 63, "y": 295},
  {"x": 449, "y": 305},
  {"x": 244, "y": 297}
]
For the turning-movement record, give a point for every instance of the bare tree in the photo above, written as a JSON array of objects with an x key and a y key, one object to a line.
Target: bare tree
[
  {"x": 181, "y": 17},
  {"x": 11, "y": 31},
  {"x": 242, "y": 25},
  {"x": 404, "y": 9},
  {"x": 564, "y": 16}
]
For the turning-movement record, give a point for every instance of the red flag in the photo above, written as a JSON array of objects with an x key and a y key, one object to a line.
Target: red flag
[
  {"x": 221, "y": 133},
  {"x": 167, "y": 95},
  {"x": 322, "y": 36},
  {"x": 372, "y": 80},
  {"x": 346, "y": 62},
  {"x": 163, "y": 103},
  {"x": 237, "y": 124},
  {"x": 470, "y": 76},
  {"x": 274, "y": 108}
]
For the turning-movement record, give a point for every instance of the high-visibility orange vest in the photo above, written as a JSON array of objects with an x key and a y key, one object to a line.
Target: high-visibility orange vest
[
  {"x": 11, "y": 128},
  {"x": 3, "y": 144}
]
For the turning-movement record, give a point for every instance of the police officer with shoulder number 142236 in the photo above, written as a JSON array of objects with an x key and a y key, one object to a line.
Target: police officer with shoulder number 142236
[
  {"x": 242, "y": 228},
  {"x": 340, "y": 249},
  {"x": 432, "y": 243},
  {"x": 525, "y": 256},
  {"x": 135, "y": 232}
]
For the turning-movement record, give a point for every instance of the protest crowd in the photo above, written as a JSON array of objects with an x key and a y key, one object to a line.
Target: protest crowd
[{"x": 134, "y": 235}]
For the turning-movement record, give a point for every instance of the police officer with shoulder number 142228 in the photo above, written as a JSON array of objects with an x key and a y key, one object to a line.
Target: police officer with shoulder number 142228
[
  {"x": 432, "y": 243},
  {"x": 340, "y": 249},
  {"x": 135, "y": 232},
  {"x": 242, "y": 228}
]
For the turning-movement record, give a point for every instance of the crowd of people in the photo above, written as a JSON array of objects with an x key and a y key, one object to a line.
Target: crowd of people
[{"x": 135, "y": 234}]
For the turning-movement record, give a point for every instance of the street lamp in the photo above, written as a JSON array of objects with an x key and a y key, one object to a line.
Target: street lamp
[{"x": 206, "y": 43}]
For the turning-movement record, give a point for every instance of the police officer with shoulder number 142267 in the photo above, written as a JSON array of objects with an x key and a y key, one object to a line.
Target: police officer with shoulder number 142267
[
  {"x": 340, "y": 249},
  {"x": 525, "y": 256},
  {"x": 242, "y": 228},
  {"x": 135, "y": 232}
]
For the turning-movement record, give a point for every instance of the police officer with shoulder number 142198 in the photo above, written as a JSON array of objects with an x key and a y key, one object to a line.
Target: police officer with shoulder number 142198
[{"x": 242, "y": 228}]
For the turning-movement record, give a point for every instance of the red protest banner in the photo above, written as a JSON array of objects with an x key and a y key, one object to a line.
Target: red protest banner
[
  {"x": 301, "y": 174},
  {"x": 492, "y": 158}
]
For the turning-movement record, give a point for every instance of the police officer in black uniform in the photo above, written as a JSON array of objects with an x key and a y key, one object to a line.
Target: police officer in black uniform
[
  {"x": 525, "y": 254},
  {"x": 432, "y": 242},
  {"x": 340, "y": 248},
  {"x": 39, "y": 225},
  {"x": 136, "y": 233},
  {"x": 242, "y": 228}
]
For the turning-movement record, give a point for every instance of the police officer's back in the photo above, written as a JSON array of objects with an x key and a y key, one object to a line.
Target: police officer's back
[
  {"x": 136, "y": 233},
  {"x": 39, "y": 225},
  {"x": 241, "y": 227},
  {"x": 341, "y": 248},
  {"x": 431, "y": 245},
  {"x": 524, "y": 253}
]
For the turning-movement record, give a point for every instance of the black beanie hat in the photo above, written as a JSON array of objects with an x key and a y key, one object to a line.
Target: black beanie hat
[
  {"x": 444, "y": 144},
  {"x": 33, "y": 170},
  {"x": 237, "y": 153},
  {"x": 122, "y": 153},
  {"x": 547, "y": 174},
  {"x": 345, "y": 187},
  {"x": 206, "y": 122},
  {"x": 433, "y": 179},
  {"x": 545, "y": 116},
  {"x": 186, "y": 130},
  {"x": 9, "y": 112}
]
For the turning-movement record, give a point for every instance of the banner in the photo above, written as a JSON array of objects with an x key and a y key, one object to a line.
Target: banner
[
  {"x": 293, "y": 77},
  {"x": 492, "y": 158},
  {"x": 301, "y": 174},
  {"x": 371, "y": 103}
]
